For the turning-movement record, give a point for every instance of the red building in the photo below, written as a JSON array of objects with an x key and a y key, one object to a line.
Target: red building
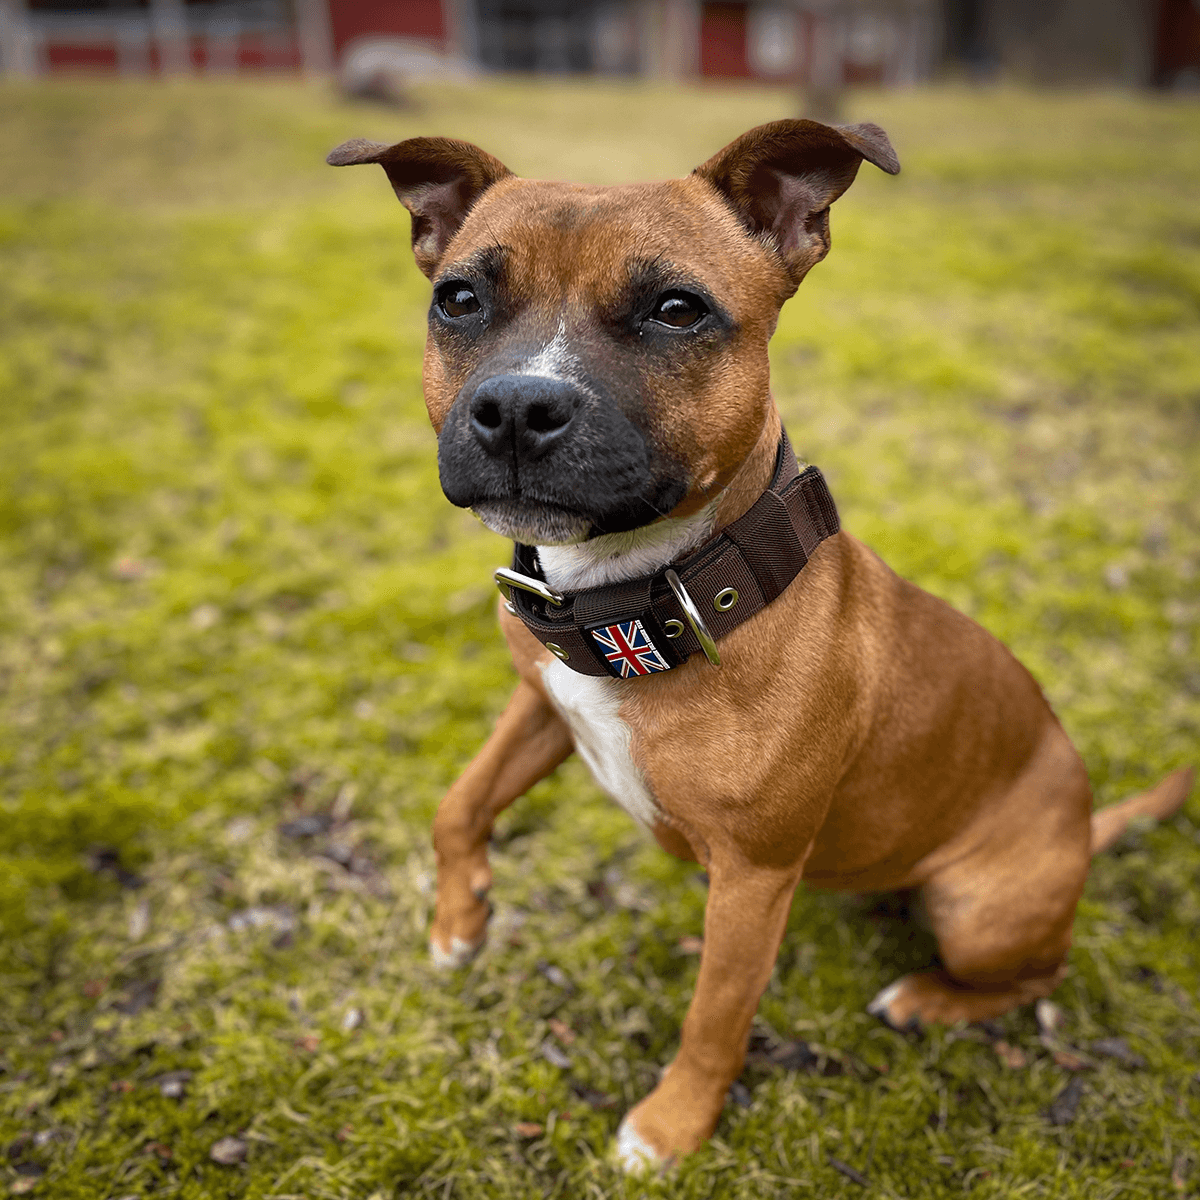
[{"x": 827, "y": 43}]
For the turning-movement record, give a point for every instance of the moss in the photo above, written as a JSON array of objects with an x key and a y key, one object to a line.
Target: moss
[{"x": 231, "y": 594}]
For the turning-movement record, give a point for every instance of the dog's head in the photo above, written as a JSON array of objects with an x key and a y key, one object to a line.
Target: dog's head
[{"x": 597, "y": 356}]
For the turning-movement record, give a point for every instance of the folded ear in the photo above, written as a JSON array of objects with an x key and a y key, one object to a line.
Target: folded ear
[
  {"x": 436, "y": 179},
  {"x": 782, "y": 177}
]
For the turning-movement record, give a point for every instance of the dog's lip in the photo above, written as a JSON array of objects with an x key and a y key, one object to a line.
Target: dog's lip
[
  {"x": 534, "y": 522},
  {"x": 531, "y": 506}
]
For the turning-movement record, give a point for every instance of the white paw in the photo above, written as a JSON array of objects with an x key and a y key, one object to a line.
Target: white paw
[
  {"x": 883, "y": 1001},
  {"x": 634, "y": 1155},
  {"x": 459, "y": 954}
]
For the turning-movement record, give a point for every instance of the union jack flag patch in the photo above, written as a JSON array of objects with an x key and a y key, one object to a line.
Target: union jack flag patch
[{"x": 628, "y": 649}]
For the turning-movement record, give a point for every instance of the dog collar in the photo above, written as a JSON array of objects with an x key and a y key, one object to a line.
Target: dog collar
[{"x": 656, "y": 622}]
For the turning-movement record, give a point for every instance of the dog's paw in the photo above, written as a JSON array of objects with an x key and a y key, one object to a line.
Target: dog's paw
[
  {"x": 933, "y": 997},
  {"x": 890, "y": 1007},
  {"x": 634, "y": 1155},
  {"x": 458, "y": 954}
]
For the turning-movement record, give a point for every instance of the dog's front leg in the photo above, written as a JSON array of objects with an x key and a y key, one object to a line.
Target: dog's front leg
[
  {"x": 529, "y": 741},
  {"x": 743, "y": 926}
]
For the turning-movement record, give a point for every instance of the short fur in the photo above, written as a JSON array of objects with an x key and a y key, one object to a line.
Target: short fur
[{"x": 859, "y": 733}]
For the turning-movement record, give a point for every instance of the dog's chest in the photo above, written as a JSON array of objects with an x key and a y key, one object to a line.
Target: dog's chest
[{"x": 591, "y": 708}]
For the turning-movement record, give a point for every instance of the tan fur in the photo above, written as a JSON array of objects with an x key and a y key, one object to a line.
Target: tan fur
[{"x": 859, "y": 733}]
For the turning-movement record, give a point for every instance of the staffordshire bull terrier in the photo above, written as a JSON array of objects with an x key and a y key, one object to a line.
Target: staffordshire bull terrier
[{"x": 747, "y": 680}]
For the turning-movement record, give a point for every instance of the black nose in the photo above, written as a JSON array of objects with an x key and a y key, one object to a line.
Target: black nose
[{"x": 521, "y": 416}]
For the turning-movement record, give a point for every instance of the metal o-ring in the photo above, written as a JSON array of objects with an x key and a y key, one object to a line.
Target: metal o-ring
[
  {"x": 557, "y": 651},
  {"x": 673, "y": 628},
  {"x": 725, "y": 599}
]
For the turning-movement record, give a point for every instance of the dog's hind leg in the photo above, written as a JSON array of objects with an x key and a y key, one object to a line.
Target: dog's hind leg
[
  {"x": 529, "y": 741},
  {"x": 1002, "y": 907}
]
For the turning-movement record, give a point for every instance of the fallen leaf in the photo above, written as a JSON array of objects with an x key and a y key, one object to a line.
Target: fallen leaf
[
  {"x": 104, "y": 859},
  {"x": 1179, "y": 1173},
  {"x": 173, "y": 1084},
  {"x": 138, "y": 996},
  {"x": 1118, "y": 1049},
  {"x": 308, "y": 1043},
  {"x": 343, "y": 1133},
  {"x": 1012, "y": 1057},
  {"x": 229, "y": 1151},
  {"x": 163, "y": 1151},
  {"x": 555, "y": 975},
  {"x": 850, "y": 1173},
  {"x": 1064, "y": 1106},
  {"x": 793, "y": 1056},
  {"x": 306, "y": 827},
  {"x": 129, "y": 569},
  {"x": 94, "y": 988},
  {"x": 278, "y": 918},
  {"x": 554, "y": 1056},
  {"x": 120, "y": 1085},
  {"x": 1070, "y": 1061},
  {"x": 593, "y": 1098},
  {"x": 562, "y": 1031},
  {"x": 528, "y": 1129}
]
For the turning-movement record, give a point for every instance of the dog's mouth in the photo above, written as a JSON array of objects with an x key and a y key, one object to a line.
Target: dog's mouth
[{"x": 534, "y": 522}]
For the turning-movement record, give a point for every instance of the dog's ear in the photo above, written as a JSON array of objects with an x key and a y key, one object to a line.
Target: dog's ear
[
  {"x": 782, "y": 177},
  {"x": 436, "y": 179}
]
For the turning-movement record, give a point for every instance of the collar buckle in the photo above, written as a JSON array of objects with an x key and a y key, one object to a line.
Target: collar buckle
[{"x": 506, "y": 580}]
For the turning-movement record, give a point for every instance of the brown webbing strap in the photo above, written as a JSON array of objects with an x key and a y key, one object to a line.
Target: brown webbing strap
[{"x": 756, "y": 556}]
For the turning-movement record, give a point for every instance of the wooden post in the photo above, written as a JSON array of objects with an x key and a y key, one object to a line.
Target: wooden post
[
  {"x": 168, "y": 20},
  {"x": 315, "y": 36},
  {"x": 462, "y": 30},
  {"x": 822, "y": 97},
  {"x": 18, "y": 42}
]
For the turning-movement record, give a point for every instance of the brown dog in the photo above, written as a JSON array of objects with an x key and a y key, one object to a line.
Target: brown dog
[{"x": 753, "y": 685}]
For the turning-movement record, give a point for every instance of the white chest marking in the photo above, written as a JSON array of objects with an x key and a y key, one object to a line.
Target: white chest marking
[{"x": 590, "y": 706}]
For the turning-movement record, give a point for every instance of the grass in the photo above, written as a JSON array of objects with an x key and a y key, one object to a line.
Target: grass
[{"x": 232, "y": 597}]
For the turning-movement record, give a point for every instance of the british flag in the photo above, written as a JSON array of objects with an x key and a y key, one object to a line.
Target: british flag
[{"x": 629, "y": 650}]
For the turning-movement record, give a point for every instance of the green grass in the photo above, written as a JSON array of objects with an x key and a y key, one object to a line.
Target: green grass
[{"x": 231, "y": 594}]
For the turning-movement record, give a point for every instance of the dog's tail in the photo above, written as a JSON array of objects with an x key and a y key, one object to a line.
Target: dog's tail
[{"x": 1160, "y": 802}]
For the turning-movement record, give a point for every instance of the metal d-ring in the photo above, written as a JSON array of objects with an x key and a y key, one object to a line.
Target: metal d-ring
[
  {"x": 707, "y": 642},
  {"x": 506, "y": 580}
]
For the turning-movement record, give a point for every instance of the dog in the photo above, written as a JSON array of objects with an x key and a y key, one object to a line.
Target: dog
[{"x": 746, "y": 679}]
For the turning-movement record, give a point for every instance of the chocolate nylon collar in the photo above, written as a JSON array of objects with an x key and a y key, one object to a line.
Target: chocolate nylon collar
[{"x": 656, "y": 622}]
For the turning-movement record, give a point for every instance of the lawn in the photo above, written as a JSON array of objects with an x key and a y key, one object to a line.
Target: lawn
[{"x": 245, "y": 644}]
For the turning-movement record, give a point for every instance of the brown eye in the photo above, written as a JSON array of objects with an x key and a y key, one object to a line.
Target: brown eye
[
  {"x": 457, "y": 300},
  {"x": 678, "y": 309}
]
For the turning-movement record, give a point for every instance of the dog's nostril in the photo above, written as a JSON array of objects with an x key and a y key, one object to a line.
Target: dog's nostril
[
  {"x": 488, "y": 415},
  {"x": 541, "y": 419}
]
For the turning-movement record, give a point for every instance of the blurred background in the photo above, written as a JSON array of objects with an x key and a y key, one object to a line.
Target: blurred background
[
  {"x": 819, "y": 44},
  {"x": 246, "y": 644}
]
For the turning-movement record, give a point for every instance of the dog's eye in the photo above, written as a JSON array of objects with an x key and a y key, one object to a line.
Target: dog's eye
[
  {"x": 678, "y": 309},
  {"x": 458, "y": 300}
]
